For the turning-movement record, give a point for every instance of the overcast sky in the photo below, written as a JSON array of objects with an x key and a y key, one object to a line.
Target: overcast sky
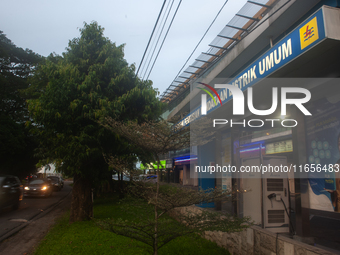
[{"x": 47, "y": 26}]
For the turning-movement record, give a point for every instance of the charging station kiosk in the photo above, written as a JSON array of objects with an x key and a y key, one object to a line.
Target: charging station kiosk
[{"x": 269, "y": 190}]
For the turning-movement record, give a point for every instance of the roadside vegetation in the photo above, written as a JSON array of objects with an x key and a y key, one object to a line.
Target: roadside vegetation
[
  {"x": 88, "y": 113},
  {"x": 87, "y": 237},
  {"x": 17, "y": 143}
]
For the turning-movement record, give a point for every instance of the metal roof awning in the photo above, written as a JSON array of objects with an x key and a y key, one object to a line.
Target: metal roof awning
[{"x": 238, "y": 27}]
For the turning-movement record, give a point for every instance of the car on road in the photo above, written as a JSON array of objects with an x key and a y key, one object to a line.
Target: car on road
[
  {"x": 39, "y": 187},
  {"x": 11, "y": 191},
  {"x": 56, "y": 182},
  {"x": 151, "y": 178}
]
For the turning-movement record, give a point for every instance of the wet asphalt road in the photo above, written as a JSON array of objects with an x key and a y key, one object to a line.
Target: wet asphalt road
[{"x": 31, "y": 208}]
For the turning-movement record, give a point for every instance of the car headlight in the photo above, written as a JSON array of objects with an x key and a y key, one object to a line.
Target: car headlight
[
  {"x": 27, "y": 188},
  {"x": 44, "y": 188}
]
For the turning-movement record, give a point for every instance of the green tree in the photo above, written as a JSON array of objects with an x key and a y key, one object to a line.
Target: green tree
[
  {"x": 89, "y": 81},
  {"x": 16, "y": 65},
  {"x": 16, "y": 143}
]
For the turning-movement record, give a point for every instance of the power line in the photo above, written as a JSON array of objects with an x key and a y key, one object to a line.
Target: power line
[
  {"x": 201, "y": 38},
  {"x": 150, "y": 37},
  {"x": 159, "y": 36},
  {"x": 153, "y": 43},
  {"x": 164, "y": 38}
]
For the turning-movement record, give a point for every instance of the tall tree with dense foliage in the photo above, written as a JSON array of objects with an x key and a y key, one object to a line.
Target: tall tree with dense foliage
[
  {"x": 89, "y": 81},
  {"x": 16, "y": 143}
]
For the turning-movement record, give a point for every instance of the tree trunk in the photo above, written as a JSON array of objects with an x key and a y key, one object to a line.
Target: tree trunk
[
  {"x": 111, "y": 183},
  {"x": 121, "y": 186},
  {"x": 155, "y": 245},
  {"x": 81, "y": 205}
]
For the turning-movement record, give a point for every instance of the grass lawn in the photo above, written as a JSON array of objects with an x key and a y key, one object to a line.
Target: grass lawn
[{"x": 87, "y": 238}]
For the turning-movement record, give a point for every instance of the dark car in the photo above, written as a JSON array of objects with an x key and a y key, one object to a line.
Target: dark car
[
  {"x": 151, "y": 178},
  {"x": 56, "y": 182},
  {"x": 10, "y": 191},
  {"x": 39, "y": 187}
]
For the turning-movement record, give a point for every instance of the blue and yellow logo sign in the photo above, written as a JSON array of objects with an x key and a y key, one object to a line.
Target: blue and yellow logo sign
[{"x": 309, "y": 33}]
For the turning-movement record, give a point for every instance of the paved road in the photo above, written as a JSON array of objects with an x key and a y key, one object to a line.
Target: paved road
[{"x": 35, "y": 215}]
